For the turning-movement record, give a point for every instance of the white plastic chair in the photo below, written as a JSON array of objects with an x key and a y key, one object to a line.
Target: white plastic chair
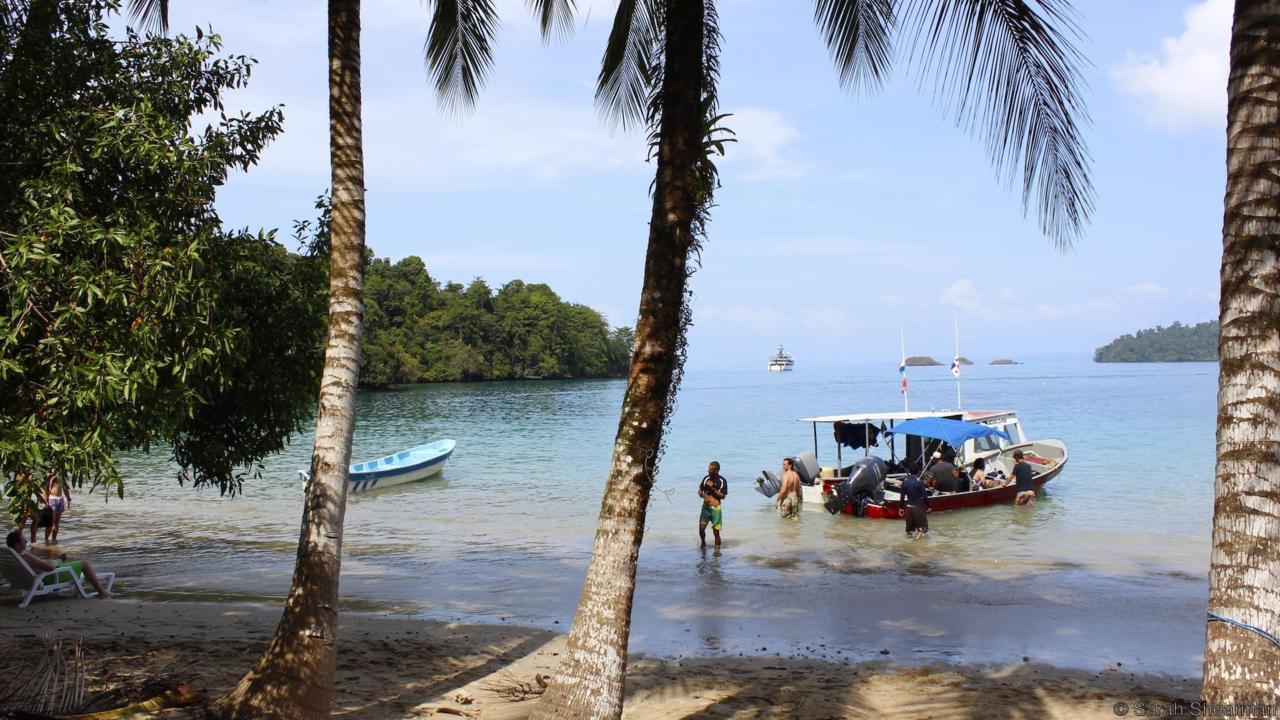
[{"x": 15, "y": 570}]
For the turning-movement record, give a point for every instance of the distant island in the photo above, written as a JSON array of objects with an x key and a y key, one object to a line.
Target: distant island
[
  {"x": 1005, "y": 361},
  {"x": 965, "y": 361},
  {"x": 1176, "y": 343},
  {"x": 920, "y": 361}
]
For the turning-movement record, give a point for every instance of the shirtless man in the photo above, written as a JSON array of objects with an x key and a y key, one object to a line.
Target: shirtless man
[
  {"x": 14, "y": 540},
  {"x": 57, "y": 496},
  {"x": 788, "y": 500}
]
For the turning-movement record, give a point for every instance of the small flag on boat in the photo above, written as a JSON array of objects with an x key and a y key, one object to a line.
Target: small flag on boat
[
  {"x": 955, "y": 366},
  {"x": 903, "y": 369}
]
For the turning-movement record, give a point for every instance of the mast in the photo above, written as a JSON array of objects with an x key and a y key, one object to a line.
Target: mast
[
  {"x": 955, "y": 365},
  {"x": 902, "y": 369}
]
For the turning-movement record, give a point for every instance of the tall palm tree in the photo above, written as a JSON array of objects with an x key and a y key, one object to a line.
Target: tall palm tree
[
  {"x": 1241, "y": 665},
  {"x": 293, "y": 678},
  {"x": 1005, "y": 67}
]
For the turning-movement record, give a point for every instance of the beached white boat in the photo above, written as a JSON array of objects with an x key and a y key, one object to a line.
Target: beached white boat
[
  {"x": 868, "y": 486},
  {"x": 782, "y": 361},
  {"x": 406, "y": 466}
]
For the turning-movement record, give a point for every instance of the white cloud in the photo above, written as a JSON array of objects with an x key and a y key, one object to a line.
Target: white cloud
[
  {"x": 961, "y": 294},
  {"x": 766, "y": 147},
  {"x": 1147, "y": 289},
  {"x": 755, "y": 317},
  {"x": 1185, "y": 87}
]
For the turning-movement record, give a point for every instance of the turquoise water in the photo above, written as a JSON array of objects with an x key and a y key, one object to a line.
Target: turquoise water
[{"x": 1108, "y": 567}]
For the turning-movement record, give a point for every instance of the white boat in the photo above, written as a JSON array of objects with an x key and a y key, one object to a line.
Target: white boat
[
  {"x": 868, "y": 485},
  {"x": 782, "y": 362},
  {"x": 406, "y": 466}
]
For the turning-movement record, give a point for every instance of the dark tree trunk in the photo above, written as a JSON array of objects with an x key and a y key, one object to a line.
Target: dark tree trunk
[
  {"x": 590, "y": 680},
  {"x": 294, "y": 676},
  {"x": 1241, "y": 666}
]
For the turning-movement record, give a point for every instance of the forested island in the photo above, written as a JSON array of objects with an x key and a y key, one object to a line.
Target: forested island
[
  {"x": 418, "y": 330},
  {"x": 1176, "y": 343},
  {"x": 920, "y": 361}
]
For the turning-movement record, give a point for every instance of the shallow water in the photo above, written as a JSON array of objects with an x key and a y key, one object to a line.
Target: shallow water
[{"x": 1108, "y": 567}]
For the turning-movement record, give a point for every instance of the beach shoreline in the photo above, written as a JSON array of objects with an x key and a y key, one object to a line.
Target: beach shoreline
[{"x": 392, "y": 666}]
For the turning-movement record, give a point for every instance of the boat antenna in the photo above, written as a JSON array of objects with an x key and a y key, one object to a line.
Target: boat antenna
[
  {"x": 955, "y": 365},
  {"x": 902, "y": 369}
]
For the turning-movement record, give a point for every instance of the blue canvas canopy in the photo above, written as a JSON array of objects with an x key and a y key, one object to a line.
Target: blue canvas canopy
[{"x": 952, "y": 432}]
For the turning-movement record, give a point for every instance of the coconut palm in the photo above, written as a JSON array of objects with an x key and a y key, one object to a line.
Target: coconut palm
[
  {"x": 1005, "y": 67},
  {"x": 1241, "y": 665},
  {"x": 293, "y": 678}
]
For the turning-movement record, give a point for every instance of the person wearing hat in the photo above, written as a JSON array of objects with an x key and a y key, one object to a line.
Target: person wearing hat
[{"x": 944, "y": 474}]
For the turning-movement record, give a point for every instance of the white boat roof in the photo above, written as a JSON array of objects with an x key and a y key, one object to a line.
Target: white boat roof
[{"x": 970, "y": 415}]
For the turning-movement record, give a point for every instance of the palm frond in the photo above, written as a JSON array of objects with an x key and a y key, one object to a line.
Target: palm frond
[
  {"x": 151, "y": 15},
  {"x": 459, "y": 50},
  {"x": 859, "y": 36},
  {"x": 1007, "y": 69},
  {"x": 555, "y": 17},
  {"x": 627, "y": 72}
]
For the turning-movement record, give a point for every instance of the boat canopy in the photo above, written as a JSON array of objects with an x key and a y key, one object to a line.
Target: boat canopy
[{"x": 952, "y": 432}]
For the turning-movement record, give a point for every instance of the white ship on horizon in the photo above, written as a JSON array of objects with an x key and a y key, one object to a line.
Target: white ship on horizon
[{"x": 782, "y": 362}]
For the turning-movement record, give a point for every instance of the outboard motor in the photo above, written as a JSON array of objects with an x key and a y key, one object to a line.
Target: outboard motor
[
  {"x": 768, "y": 484},
  {"x": 864, "y": 486},
  {"x": 807, "y": 467}
]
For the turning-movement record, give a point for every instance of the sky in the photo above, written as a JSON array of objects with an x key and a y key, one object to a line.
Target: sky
[{"x": 846, "y": 223}]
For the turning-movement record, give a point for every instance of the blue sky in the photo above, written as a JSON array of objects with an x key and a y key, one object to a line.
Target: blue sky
[{"x": 842, "y": 218}]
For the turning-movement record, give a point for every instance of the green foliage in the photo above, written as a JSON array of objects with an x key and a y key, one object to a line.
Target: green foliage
[
  {"x": 418, "y": 331},
  {"x": 1176, "y": 343},
  {"x": 128, "y": 315}
]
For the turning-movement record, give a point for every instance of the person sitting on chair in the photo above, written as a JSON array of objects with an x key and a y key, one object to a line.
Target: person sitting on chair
[{"x": 81, "y": 567}]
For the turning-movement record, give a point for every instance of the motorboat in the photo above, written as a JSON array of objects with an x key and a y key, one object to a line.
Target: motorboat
[
  {"x": 406, "y": 466},
  {"x": 782, "y": 361},
  {"x": 906, "y": 442}
]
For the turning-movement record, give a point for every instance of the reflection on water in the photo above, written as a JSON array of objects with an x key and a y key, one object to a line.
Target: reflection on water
[{"x": 506, "y": 532}]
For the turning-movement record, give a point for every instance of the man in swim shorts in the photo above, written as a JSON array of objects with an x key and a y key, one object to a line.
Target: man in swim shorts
[
  {"x": 712, "y": 490},
  {"x": 788, "y": 500},
  {"x": 79, "y": 567}
]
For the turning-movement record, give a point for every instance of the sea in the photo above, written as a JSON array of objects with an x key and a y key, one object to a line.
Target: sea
[{"x": 1107, "y": 570}]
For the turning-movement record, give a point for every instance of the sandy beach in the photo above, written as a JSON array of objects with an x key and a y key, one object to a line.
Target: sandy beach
[{"x": 396, "y": 667}]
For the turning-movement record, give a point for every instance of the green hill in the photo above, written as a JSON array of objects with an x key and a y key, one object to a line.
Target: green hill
[
  {"x": 1176, "y": 343},
  {"x": 418, "y": 329}
]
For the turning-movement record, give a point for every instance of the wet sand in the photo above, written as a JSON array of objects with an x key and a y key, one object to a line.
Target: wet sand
[{"x": 398, "y": 667}]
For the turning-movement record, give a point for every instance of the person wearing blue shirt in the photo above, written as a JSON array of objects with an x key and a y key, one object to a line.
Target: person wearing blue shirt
[{"x": 915, "y": 499}]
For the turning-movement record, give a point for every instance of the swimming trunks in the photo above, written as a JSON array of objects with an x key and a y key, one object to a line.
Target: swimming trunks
[
  {"x": 57, "y": 503},
  {"x": 713, "y": 516},
  {"x": 789, "y": 507},
  {"x": 75, "y": 566}
]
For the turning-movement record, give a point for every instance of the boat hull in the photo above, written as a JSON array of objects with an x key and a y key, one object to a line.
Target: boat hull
[
  {"x": 895, "y": 510},
  {"x": 406, "y": 466}
]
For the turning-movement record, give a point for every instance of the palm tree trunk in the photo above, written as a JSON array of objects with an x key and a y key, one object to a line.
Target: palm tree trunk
[
  {"x": 1241, "y": 666},
  {"x": 294, "y": 676},
  {"x": 590, "y": 680}
]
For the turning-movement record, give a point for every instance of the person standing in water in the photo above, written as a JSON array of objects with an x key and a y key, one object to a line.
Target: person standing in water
[
  {"x": 57, "y": 497},
  {"x": 712, "y": 490},
  {"x": 788, "y": 500}
]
